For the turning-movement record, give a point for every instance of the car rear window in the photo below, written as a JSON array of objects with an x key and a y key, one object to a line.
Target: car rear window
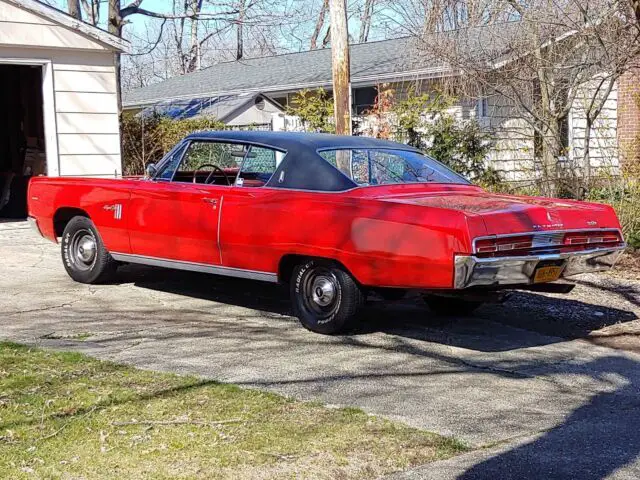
[{"x": 388, "y": 166}]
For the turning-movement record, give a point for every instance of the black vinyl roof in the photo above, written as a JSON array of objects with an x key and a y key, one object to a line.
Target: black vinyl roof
[
  {"x": 298, "y": 140},
  {"x": 302, "y": 167}
]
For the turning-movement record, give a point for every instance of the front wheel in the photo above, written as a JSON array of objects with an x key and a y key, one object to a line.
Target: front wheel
[
  {"x": 325, "y": 297},
  {"x": 84, "y": 256},
  {"x": 451, "y": 306}
]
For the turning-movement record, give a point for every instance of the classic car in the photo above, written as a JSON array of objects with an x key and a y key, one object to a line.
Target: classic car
[{"x": 338, "y": 219}]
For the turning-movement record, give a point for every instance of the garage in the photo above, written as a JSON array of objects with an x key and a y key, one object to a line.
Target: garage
[{"x": 58, "y": 100}]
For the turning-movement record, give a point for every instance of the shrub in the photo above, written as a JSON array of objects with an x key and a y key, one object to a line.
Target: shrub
[
  {"x": 146, "y": 139},
  {"x": 623, "y": 194},
  {"x": 315, "y": 110}
]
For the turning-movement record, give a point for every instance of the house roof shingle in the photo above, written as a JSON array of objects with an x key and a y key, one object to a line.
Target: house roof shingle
[{"x": 370, "y": 62}]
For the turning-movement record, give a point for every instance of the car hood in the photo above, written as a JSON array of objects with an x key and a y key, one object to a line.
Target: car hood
[{"x": 503, "y": 214}]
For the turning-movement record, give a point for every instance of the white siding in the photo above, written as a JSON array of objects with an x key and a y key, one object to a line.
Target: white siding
[
  {"x": 86, "y": 118},
  {"x": 84, "y": 96},
  {"x": 252, "y": 115},
  {"x": 85, "y": 81},
  {"x": 86, "y": 102},
  {"x": 87, "y": 123},
  {"x": 15, "y": 15},
  {"x": 512, "y": 154},
  {"x": 603, "y": 140},
  {"x": 101, "y": 165},
  {"x": 21, "y": 27}
]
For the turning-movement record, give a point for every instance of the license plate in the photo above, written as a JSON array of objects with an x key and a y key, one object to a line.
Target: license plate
[{"x": 547, "y": 274}]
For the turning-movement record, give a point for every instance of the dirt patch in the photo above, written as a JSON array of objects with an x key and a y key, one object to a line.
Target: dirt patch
[{"x": 628, "y": 266}]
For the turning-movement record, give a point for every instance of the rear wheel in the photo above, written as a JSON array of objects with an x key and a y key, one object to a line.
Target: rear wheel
[
  {"x": 451, "y": 306},
  {"x": 84, "y": 256},
  {"x": 325, "y": 297}
]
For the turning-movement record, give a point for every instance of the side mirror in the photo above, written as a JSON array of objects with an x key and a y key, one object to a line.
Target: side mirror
[{"x": 151, "y": 170}]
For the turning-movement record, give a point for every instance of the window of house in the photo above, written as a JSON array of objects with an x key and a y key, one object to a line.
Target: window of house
[
  {"x": 482, "y": 107},
  {"x": 364, "y": 99}
]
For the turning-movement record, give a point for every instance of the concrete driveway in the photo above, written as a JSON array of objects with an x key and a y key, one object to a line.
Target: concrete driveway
[{"x": 517, "y": 379}]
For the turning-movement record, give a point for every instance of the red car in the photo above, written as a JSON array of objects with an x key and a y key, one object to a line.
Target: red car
[{"x": 337, "y": 218}]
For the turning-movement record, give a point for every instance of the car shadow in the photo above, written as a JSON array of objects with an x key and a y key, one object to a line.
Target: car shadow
[{"x": 537, "y": 319}]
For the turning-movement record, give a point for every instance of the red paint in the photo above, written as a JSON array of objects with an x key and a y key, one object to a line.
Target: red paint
[{"x": 398, "y": 235}]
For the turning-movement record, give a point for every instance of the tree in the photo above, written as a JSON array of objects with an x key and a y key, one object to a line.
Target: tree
[
  {"x": 315, "y": 110},
  {"x": 540, "y": 57}
]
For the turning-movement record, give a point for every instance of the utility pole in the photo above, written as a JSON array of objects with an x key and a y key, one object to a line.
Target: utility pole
[{"x": 340, "y": 66}]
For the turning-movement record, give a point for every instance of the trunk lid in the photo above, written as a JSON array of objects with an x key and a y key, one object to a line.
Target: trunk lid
[{"x": 506, "y": 214}]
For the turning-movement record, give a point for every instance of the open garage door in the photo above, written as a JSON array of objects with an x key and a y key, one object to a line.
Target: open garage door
[{"x": 22, "y": 137}]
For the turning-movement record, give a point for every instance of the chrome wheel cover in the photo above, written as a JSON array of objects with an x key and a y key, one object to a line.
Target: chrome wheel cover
[
  {"x": 83, "y": 249},
  {"x": 321, "y": 293}
]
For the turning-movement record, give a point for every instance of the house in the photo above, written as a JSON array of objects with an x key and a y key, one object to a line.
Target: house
[
  {"x": 401, "y": 64},
  {"x": 235, "y": 110},
  {"x": 58, "y": 99}
]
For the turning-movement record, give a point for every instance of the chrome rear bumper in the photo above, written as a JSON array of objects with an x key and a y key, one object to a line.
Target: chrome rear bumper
[{"x": 472, "y": 271}]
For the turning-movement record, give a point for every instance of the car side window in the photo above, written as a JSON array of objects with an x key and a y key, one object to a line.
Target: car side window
[
  {"x": 213, "y": 163},
  {"x": 258, "y": 166},
  {"x": 167, "y": 170}
]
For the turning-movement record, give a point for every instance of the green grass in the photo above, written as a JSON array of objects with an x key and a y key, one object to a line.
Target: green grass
[{"x": 65, "y": 415}]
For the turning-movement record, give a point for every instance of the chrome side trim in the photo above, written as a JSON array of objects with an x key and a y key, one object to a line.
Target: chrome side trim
[
  {"x": 196, "y": 267},
  {"x": 471, "y": 271},
  {"x": 545, "y": 232}
]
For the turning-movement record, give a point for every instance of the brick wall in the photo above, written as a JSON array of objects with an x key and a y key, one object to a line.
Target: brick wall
[{"x": 629, "y": 119}]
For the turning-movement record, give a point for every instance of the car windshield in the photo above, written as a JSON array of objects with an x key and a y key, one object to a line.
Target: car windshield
[{"x": 385, "y": 166}]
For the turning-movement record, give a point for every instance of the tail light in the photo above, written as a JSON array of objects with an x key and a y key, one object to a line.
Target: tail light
[
  {"x": 590, "y": 238},
  {"x": 546, "y": 242},
  {"x": 504, "y": 244}
]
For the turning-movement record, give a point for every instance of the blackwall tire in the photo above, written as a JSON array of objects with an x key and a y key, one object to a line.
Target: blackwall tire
[
  {"x": 84, "y": 256},
  {"x": 450, "y": 306},
  {"x": 325, "y": 298}
]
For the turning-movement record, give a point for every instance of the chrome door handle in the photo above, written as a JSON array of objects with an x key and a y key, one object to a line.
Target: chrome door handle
[{"x": 211, "y": 201}]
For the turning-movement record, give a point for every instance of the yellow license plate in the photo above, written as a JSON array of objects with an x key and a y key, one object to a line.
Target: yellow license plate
[{"x": 547, "y": 274}]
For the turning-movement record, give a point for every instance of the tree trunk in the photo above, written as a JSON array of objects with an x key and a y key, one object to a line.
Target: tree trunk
[
  {"x": 115, "y": 28},
  {"x": 365, "y": 24},
  {"x": 74, "y": 9},
  {"x": 340, "y": 67},
  {"x": 551, "y": 147},
  {"x": 194, "y": 42},
  {"x": 319, "y": 25},
  {"x": 240, "y": 33},
  {"x": 586, "y": 156}
]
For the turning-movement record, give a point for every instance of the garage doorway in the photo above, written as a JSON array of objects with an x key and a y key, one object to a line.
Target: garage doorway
[{"x": 22, "y": 135}]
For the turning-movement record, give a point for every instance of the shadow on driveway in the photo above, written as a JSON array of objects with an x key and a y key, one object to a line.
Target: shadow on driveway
[
  {"x": 556, "y": 319},
  {"x": 599, "y": 437}
]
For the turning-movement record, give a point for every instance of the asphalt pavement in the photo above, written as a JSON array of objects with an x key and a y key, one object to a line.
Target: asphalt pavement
[{"x": 524, "y": 383}]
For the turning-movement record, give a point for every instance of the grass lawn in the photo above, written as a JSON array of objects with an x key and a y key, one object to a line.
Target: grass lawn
[{"x": 65, "y": 415}]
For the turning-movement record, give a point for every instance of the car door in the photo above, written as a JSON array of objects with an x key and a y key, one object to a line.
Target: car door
[
  {"x": 176, "y": 215},
  {"x": 253, "y": 217}
]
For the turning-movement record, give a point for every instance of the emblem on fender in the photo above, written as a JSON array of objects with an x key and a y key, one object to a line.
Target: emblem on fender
[{"x": 117, "y": 210}]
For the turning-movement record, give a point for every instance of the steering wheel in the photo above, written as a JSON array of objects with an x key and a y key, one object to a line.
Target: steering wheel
[{"x": 215, "y": 168}]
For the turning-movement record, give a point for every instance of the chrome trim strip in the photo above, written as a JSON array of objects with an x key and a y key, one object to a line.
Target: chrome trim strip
[
  {"x": 494, "y": 271},
  {"x": 546, "y": 232},
  {"x": 196, "y": 267}
]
